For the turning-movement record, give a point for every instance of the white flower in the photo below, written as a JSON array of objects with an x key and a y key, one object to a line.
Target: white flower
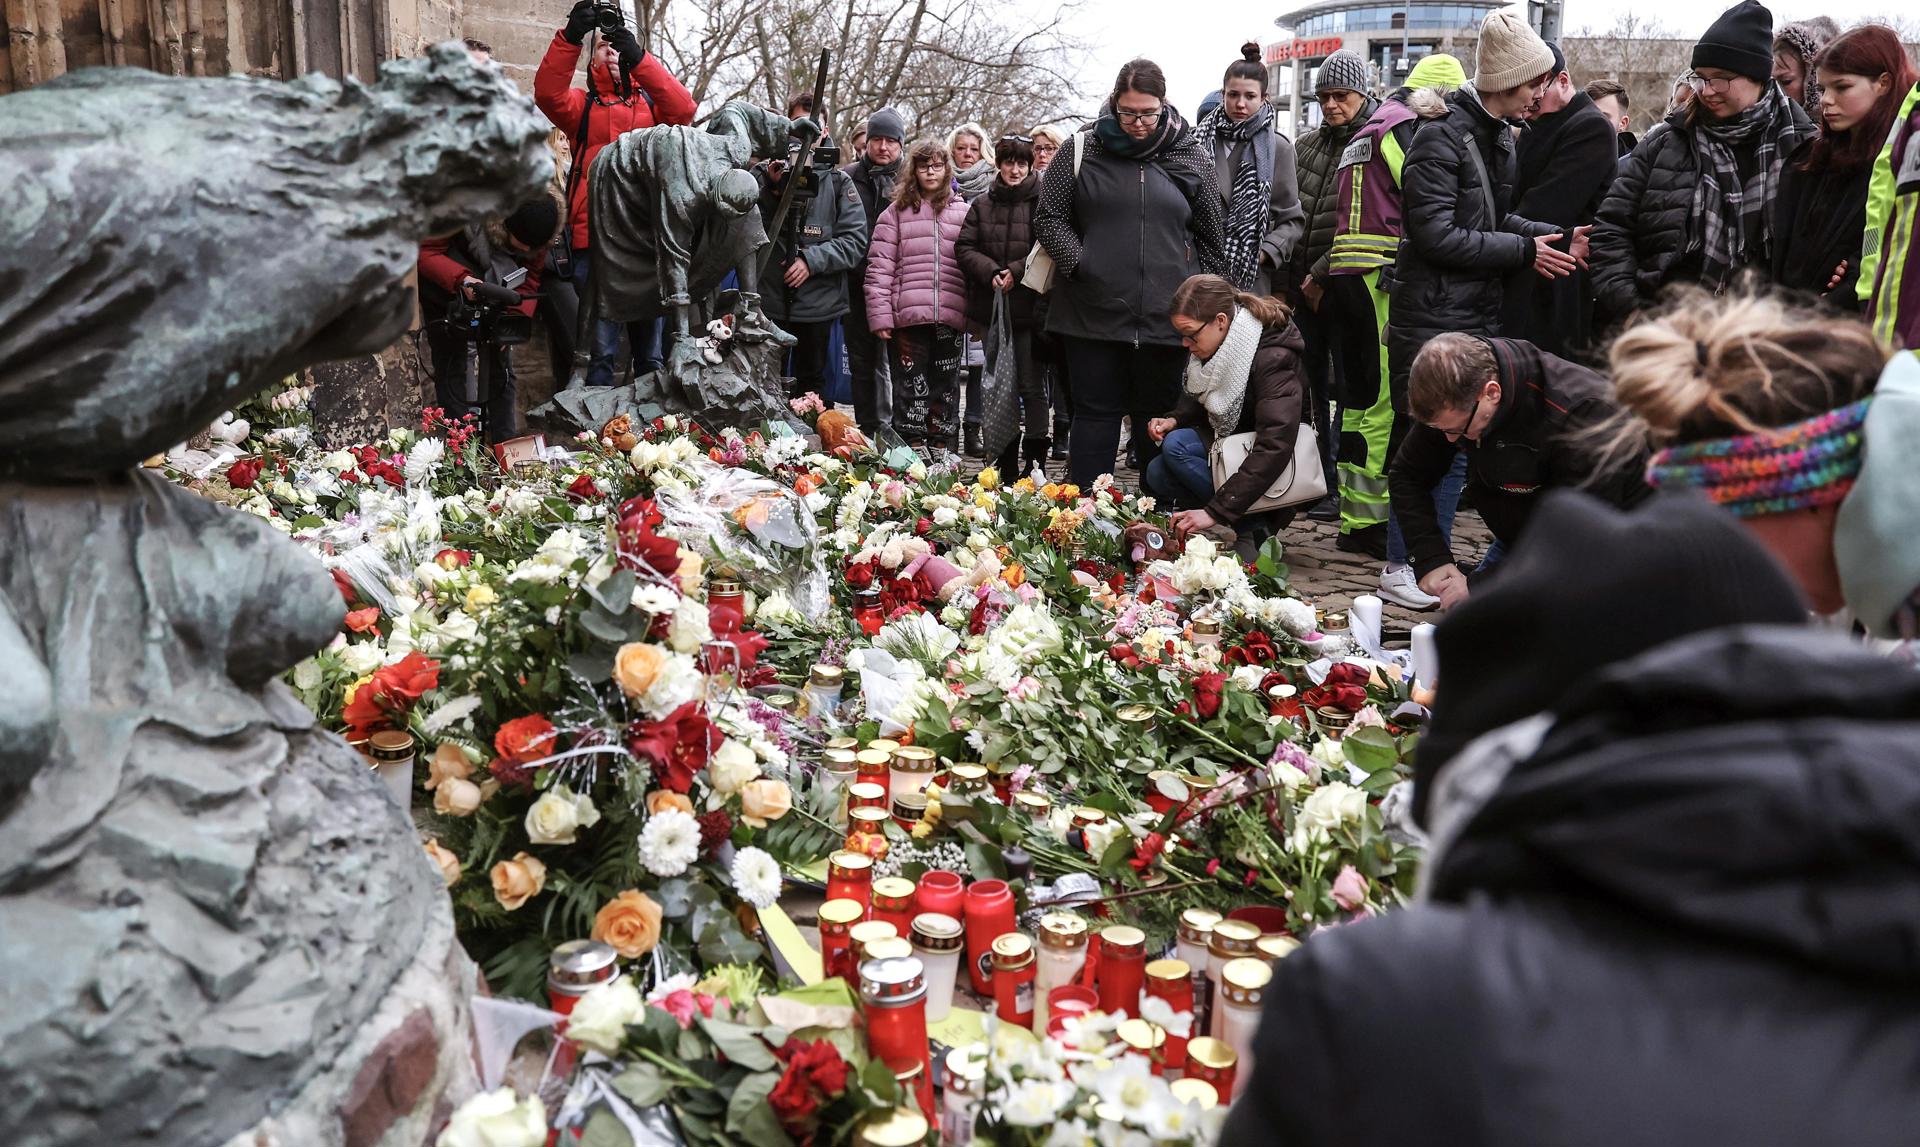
[
  {"x": 559, "y": 814},
  {"x": 1100, "y": 837},
  {"x": 1250, "y": 676},
  {"x": 497, "y": 1119},
  {"x": 452, "y": 713},
  {"x": 424, "y": 458},
  {"x": 599, "y": 1019},
  {"x": 1036, "y": 1103},
  {"x": 669, "y": 842},
  {"x": 1174, "y": 1121},
  {"x": 1156, "y": 1010},
  {"x": 777, "y": 609},
  {"x": 731, "y": 766},
  {"x": 306, "y": 675},
  {"x": 655, "y": 599},
  {"x": 339, "y": 462},
  {"x": 1069, "y": 1133},
  {"x": 362, "y": 658},
  {"x": 678, "y": 682},
  {"x": 689, "y": 626},
  {"x": 1330, "y": 806},
  {"x": 1130, "y": 1085},
  {"x": 756, "y": 877},
  {"x": 945, "y": 516}
]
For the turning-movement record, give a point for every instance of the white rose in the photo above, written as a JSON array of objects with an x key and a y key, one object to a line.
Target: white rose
[
  {"x": 599, "y": 1019},
  {"x": 339, "y": 461},
  {"x": 656, "y": 599},
  {"x": 362, "y": 658},
  {"x": 731, "y": 767},
  {"x": 1332, "y": 805},
  {"x": 689, "y": 627},
  {"x": 945, "y": 516},
  {"x": 497, "y": 1119},
  {"x": 307, "y": 674},
  {"x": 558, "y": 815}
]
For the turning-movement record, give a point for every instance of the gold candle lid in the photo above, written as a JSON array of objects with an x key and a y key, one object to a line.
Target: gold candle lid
[
  {"x": 850, "y": 744},
  {"x": 723, "y": 585},
  {"x": 1033, "y": 804},
  {"x": 967, "y": 1064},
  {"x": 849, "y": 863},
  {"x": 841, "y": 914},
  {"x": 1206, "y": 623},
  {"x": 1244, "y": 980},
  {"x": 886, "y": 745},
  {"x": 901, "y": 1127},
  {"x": 390, "y": 745},
  {"x": 1234, "y": 938},
  {"x": 937, "y": 932},
  {"x": 840, "y": 760},
  {"x": 1124, "y": 940},
  {"x": 1196, "y": 924},
  {"x": 870, "y": 818},
  {"x": 1012, "y": 951},
  {"x": 1168, "y": 970},
  {"x": 892, "y": 888},
  {"x": 915, "y": 759},
  {"x": 1084, "y": 816},
  {"x": 827, "y": 676},
  {"x": 873, "y": 760},
  {"x": 871, "y": 792},
  {"x": 1208, "y": 1052},
  {"x": 780, "y": 701},
  {"x": 1062, "y": 930},
  {"x": 885, "y": 946},
  {"x": 909, "y": 806},
  {"x": 968, "y": 774},
  {"x": 1195, "y": 1091},
  {"x": 1135, "y": 714},
  {"x": 1276, "y": 947},
  {"x": 1335, "y": 622},
  {"x": 1142, "y": 1035},
  {"x": 868, "y": 931}
]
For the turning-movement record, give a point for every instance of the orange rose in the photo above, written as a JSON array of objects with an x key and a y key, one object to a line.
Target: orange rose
[
  {"x": 518, "y": 880},
  {"x": 635, "y": 667},
  {"x": 448, "y": 763},
  {"x": 630, "y": 922},
  {"x": 689, "y": 572},
  {"x": 659, "y": 800},
  {"x": 762, "y": 801},
  {"x": 444, "y": 860}
]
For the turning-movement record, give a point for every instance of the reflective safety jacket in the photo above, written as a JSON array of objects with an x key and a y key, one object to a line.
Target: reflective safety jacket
[
  {"x": 1889, "y": 275},
  {"x": 1368, "y": 218}
]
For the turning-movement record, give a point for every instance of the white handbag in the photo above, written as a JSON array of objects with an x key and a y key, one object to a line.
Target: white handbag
[
  {"x": 1038, "y": 276},
  {"x": 1303, "y": 481}
]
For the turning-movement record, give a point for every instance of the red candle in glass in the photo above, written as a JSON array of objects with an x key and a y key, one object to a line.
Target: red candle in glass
[
  {"x": 850, "y": 877},
  {"x": 1071, "y": 1000},
  {"x": 893, "y": 902},
  {"x": 876, "y": 768},
  {"x": 1014, "y": 972},
  {"x": 941, "y": 891},
  {"x": 866, "y": 611},
  {"x": 726, "y": 606},
  {"x": 989, "y": 917},
  {"x": 893, "y": 992},
  {"x": 1213, "y": 1061},
  {"x": 1123, "y": 961},
  {"x": 1172, "y": 981},
  {"x": 837, "y": 918},
  {"x": 576, "y": 968}
]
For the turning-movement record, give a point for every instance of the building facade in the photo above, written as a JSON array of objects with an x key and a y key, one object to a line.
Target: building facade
[{"x": 1392, "y": 37}]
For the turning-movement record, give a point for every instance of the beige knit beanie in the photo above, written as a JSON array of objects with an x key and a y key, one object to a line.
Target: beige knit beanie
[{"x": 1511, "y": 53}]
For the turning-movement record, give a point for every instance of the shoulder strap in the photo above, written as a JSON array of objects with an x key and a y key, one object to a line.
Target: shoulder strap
[
  {"x": 576, "y": 162},
  {"x": 1486, "y": 185},
  {"x": 1079, "y": 153}
]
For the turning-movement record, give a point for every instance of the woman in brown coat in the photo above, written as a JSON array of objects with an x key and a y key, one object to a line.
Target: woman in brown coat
[
  {"x": 992, "y": 252},
  {"x": 1243, "y": 375}
]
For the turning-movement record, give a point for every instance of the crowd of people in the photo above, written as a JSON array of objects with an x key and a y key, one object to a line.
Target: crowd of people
[{"x": 1410, "y": 307}]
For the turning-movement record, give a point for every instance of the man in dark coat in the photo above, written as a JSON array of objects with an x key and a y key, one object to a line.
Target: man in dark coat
[
  {"x": 1564, "y": 162},
  {"x": 1523, "y": 418},
  {"x": 1673, "y": 882},
  {"x": 873, "y": 176},
  {"x": 1610, "y": 96},
  {"x": 813, "y": 255}
]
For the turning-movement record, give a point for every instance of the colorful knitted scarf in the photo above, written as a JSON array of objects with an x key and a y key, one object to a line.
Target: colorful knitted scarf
[{"x": 1796, "y": 467}]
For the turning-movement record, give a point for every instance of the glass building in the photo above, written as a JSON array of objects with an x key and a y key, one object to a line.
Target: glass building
[{"x": 1392, "y": 37}]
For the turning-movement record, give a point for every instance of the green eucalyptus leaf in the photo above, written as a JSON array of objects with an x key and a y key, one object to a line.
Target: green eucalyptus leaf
[
  {"x": 604, "y": 1129},
  {"x": 1371, "y": 749},
  {"x": 643, "y": 1084},
  {"x": 751, "y": 1117},
  {"x": 740, "y": 1044}
]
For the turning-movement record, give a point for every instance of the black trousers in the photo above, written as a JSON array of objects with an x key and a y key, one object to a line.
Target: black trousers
[
  {"x": 455, "y": 361},
  {"x": 864, "y": 356},
  {"x": 807, "y": 362},
  {"x": 1111, "y": 381}
]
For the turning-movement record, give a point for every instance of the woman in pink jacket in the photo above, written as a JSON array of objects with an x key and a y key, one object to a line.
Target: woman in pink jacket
[{"x": 917, "y": 296}]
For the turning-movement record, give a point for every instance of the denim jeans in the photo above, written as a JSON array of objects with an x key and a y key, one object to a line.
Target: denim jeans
[
  {"x": 1181, "y": 476},
  {"x": 1446, "y": 499},
  {"x": 644, "y": 338}
]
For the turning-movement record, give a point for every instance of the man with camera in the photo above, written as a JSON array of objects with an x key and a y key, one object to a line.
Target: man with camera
[
  {"x": 627, "y": 88},
  {"x": 477, "y": 293},
  {"x": 822, "y": 239}
]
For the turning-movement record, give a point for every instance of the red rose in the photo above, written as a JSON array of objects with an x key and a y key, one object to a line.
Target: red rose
[
  {"x": 639, "y": 545},
  {"x": 1120, "y": 651},
  {"x": 524, "y": 738},
  {"x": 860, "y": 576},
  {"x": 363, "y": 620},
  {"x": 923, "y": 526},
  {"x": 815, "y": 1075},
  {"x": 242, "y": 474},
  {"x": 715, "y": 828},
  {"x": 409, "y": 677},
  {"x": 677, "y": 745},
  {"x": 1206, "y": 694},
  {"x": 583, "y": 489},
  {"x": 383, "y": 701}
]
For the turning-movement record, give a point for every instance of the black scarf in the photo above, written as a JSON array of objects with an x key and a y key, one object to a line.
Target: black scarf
[{"x": 1248, "y": 199}]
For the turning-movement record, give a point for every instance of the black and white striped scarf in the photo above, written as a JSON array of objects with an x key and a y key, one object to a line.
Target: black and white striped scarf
[
  {"x": 1248, "y": 204},
  {"x": 1729, "y": 211}
]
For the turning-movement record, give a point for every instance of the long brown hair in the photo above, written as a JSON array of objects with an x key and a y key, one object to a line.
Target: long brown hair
[
  {"x": 906, "y": 192},
  {"x": 1871, "y": 50},
  {"x": 1203, "y": 297}
]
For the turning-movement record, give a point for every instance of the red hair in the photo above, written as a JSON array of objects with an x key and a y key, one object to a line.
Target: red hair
[{"x": 1871, "y": 50}]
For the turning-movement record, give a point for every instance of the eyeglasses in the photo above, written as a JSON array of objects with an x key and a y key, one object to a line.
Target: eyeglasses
[
  {"x": 1005, "y": 139},
  {"x": 1332, "y": 96},
  {"x": 1137, "y": 117},
  {"x": 1718, "y": 85}
]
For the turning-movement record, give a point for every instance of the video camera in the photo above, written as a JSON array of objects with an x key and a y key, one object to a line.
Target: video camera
[
  {"x": 493, "y": 316},
  {"x": 825, "y": 158}
]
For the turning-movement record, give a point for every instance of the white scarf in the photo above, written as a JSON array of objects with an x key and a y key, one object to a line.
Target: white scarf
[{"x": 1220, "y": 383}]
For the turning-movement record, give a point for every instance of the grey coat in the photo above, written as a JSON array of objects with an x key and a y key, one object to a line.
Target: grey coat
[
  {"x": 1286, "y": 222},
  {"x": 833, "y": 241}
]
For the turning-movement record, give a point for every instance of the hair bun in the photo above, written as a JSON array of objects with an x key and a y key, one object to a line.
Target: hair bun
[{"x": 1250, "y": 51}]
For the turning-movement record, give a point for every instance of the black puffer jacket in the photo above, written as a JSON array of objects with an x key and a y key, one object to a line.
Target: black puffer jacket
[
  {"x": 998, "y": 236},
  {"x": 1641, "y": 232},
  {"x": 1458, "y": 247},
  {"x": 1690, "y": 915},
  {"x": 1318, "y": 158},
  {"x": 1818, "y": 223}
]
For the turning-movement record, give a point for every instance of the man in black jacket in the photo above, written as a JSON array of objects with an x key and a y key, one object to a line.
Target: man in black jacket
[
  {"x": 814, "y": 253},
  {"x": 1521, "y": 416},
  {"x": 1673, "y": 878},
  {"x": 873, "y": 176},
  {"x": 1564, "y": 163}
]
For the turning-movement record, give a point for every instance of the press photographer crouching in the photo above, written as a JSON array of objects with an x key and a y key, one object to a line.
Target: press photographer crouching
[
  {"x": 477, "y": 293},
  {"x": 822, "y": 238}
]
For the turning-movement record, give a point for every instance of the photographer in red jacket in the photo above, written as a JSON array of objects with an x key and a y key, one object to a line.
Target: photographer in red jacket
[{"x": 627, "y": 88}]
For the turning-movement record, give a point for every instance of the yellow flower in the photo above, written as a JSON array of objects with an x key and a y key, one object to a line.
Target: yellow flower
[
  {"x": 1023, "y": 486},
  {"x": 480, "y": 597},
  {"x": 988, "y": 479},
  {"x": 354, "y": 688}
]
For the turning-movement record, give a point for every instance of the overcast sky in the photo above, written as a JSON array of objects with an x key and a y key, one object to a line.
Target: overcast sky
[{"x": 1195, "y": 40}]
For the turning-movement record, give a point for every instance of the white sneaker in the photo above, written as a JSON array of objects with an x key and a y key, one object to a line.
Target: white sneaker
[{"x": 1398, "y": 585}]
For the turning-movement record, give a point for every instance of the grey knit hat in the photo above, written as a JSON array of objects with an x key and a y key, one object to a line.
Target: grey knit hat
[
  {"x": 886, "y": 124},
  {"x": 1511, "y": 53},
  {"x": 1343, "y": 71}
]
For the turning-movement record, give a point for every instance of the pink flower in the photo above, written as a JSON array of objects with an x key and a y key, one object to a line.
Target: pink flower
[
  {"x": 681, "y": 1005},
  {"x": 1350, "y": 888}
]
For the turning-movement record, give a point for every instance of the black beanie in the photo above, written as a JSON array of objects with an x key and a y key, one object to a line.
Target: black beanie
[
  {"x": 1741, "y": 41},
  {"x": 534, "y": 222},
  {"x": 1589, "y": 586}
]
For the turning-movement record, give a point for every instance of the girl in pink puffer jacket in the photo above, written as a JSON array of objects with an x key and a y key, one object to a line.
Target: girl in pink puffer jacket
[{"x": 917, "y": 296}]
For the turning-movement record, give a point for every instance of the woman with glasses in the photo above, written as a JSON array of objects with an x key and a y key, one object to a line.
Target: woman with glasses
[
  {"x": 1695, "y": 202},
  {"x": 1126, "y": 223},
  {"x": 1253, "y": 164}
]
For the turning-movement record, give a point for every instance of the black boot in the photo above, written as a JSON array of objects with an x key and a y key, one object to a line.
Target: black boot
[
  {"x": 1033, "y": 453},
  {"x": 973, "y": 442}
]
